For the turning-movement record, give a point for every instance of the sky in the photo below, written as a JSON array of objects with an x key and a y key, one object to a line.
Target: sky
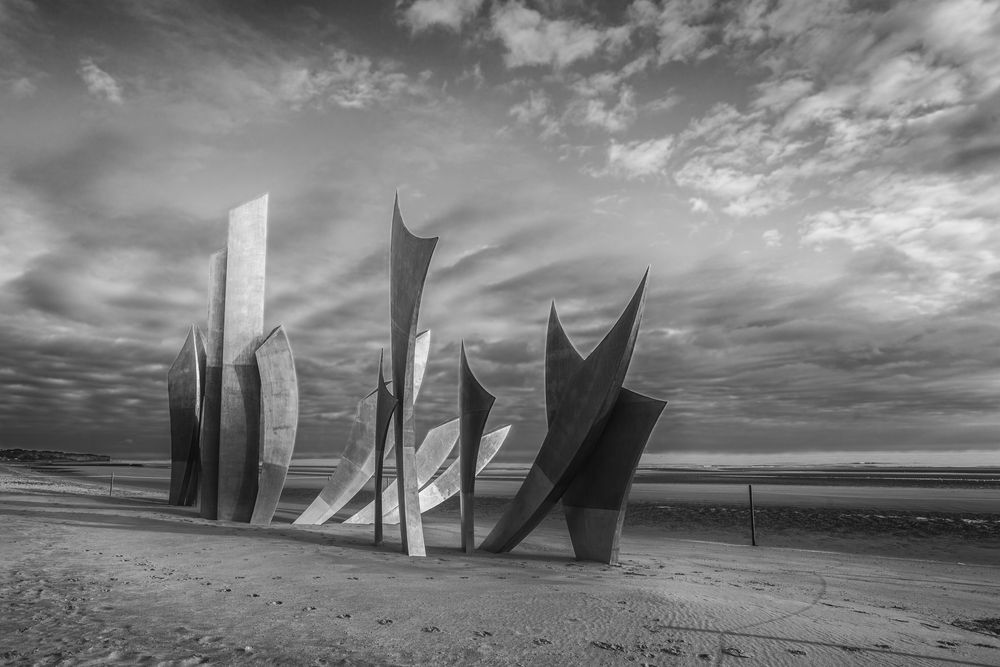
[{"x": 815, "y": 186}]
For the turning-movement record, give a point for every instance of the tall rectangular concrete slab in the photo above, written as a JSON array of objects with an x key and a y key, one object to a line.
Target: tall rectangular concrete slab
[
  {"x": 239, "y": 434},
  {"x": 208, "y": 439}
]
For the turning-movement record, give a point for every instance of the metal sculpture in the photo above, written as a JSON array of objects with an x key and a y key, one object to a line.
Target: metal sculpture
[
  {"x": 243, "y": 332},
  {"x": 439, "y": 442},
  {"x": 474, "y": 405},
  {"x": 357, "y": 462},
  {"x": 583, "y": 409},
  {"x": 279, "y": 406},
  {"x": 410, "y": 258},
  {"x": 208, "y": 440},
  {"x": 595, "y": 502},
  {"x": 185, "y": 386},
  {"x": 385, "y": 406},
  {"x": 449, "y": 482}
]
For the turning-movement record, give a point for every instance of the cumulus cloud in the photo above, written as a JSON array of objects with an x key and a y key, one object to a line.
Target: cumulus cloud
[
  {"x": 596, "y": 112},
  {"x": 100, "y": 83},
  {"x": 423, "y": 15},
  {"x": 533, "y": 39},
  {"x": 772, "y": 238},
  {"x": 682, "y": 28},
  {"x": 699, "y": 205},
  {"x": 639, "y": 159}
]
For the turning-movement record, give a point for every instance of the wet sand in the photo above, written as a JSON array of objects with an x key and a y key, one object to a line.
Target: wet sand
[{"x": 90, "y": 579}]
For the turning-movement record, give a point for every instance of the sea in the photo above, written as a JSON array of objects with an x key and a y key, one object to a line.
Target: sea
[{"x": 961, "y": 482}]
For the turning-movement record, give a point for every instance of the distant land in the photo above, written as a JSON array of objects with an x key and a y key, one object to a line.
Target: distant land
[{"x": 48, "y": 455}]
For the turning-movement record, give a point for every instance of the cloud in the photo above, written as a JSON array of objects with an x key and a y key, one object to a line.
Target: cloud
[
  {"x": 638, "y": 159},
  {"x": 699, "y": 205},
  {"x": 597, "y": 113},
  {"x": 424, "y": 15},
  {"x": 533, "y": 108},
  {"x": 348, "y": 81},
  {"x": 531, "y": 39},
  {"x": 936, "y": 224},
  {"x": 99, "y": 83},
  {"x": 772, "y": 238},
  {"x": 23, "y": 88},
  {"x": 682, "y": 28}
]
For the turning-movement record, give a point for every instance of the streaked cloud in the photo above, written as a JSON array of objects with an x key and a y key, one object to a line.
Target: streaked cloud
[{"x": 815, "y": 187}]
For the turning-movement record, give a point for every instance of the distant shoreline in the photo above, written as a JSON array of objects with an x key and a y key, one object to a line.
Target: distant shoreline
[{"x": 45, "y": 455}]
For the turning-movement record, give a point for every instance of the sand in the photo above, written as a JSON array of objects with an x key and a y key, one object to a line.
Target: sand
[{"x": 90, "y": 579}]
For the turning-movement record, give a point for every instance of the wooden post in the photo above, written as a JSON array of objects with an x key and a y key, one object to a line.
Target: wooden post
[
  {"x": 111, "y": 488},
  {"x": 753, "y": 528}
]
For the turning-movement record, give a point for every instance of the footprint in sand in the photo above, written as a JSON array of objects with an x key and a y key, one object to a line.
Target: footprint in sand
[
  {"x": 483, "y": 633},
  {"x": 608, "y": 646},
  {"x": 343, "y": 615},
  {"x": 540, "y": 641},
  {"x": 735, "y": 652},
  {"x": 431, "y": 628},
  {"x": 385, "y": 621}
]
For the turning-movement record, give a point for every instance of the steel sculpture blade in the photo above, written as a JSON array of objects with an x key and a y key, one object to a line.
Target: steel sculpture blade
[
  {"x": 474, "y": 405},
  {"x": 208, "y": 441},
  {"x": 355, "y": 468},
  {"x": 185, "y": 386},
  {"x": 562, "y": 360},
  {"x": 439, "y": 442},
  {"x": 385, "y": 406},
  {"x": 421, "y": 350},
  {"x": 410, "y": 258},
  {"x": 279, "y": 406},
  {"x": 595, "y": 502},
  {"x": 239, "y": 433},
  {"x": 580, "y": 416},
  {"x": 357, "y": 462},
  {"x": 449, "y": 482}
]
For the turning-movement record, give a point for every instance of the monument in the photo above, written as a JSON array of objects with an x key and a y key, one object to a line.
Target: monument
[
  {"x": 595, "y": 502},
  {"x": 409, "y": 259},
  {"x": 279, "y": 406},
  {"x": 385, "y": 406},
  {"x": 243, "y": 332},
  {"x": 231, "y": 410},
  {"x": 582, "y": 397},
  {"x": 357, "y": 461},
  {"x": 185, "y": 386},
  {"x": 209, "y": 435},
  {"x": 474, "y": 405}
]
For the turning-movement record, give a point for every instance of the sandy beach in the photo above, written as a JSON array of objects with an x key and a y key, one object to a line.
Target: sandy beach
[{"x": 92, "y": 579}]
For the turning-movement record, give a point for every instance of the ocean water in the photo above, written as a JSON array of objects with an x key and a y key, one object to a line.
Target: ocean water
[{"x": 879, "y": 485}]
